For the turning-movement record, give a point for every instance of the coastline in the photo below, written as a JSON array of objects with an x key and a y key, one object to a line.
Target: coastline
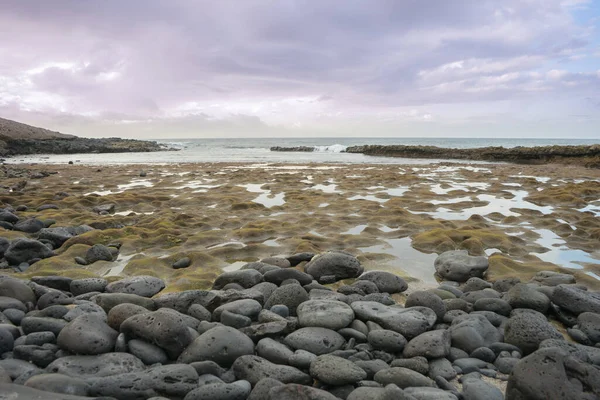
[{"x": 585, "y": 155}]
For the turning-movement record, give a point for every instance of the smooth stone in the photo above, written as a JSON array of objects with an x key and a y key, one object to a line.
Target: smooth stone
[
  {"x": 244, "y": 277},
  {"x": 98, "y": 252},
  {"x": 121, "y": 312},
  {"x": 273, "y": 351},
  {"x": 87, "y": 335},
  {"x": 315, "y": 340},
  {"x": 42, "y": 324},
  {"x": 474, "y": 284},
  {"x": 403, "y": 378},
  {"x": 54, "y": 282},
  {"x": 96, "y": 366},
  {"x": 247, "y": 307},
  {"x": 432, "y": 344},
  {"x": 221, "y": 344},
  {"x": 254, "y": 368},
  {"x": 262, "y": 388},
  {"x": 147, "y": 352},
  {"x": 551, "y": 373},
  {"x": 523, "y": 295},
  {"x": 386, "y": 340},
  {"x": 109, "y": 300},
  {"x": 182, "y": 301},
  {"x": 528, "y": 330},
  {"x": 165, "y": 328},
  {"x": 334, "y": 265},
  {"x": 299, "y": 392},
  {"x": 7, "y": 303},
  {"x": 289, "y": 295},
  {"x": 301, "y": 359},
  {"x": 336, "y": 371},
  {"x": 499, "y": 306},
  {"x": 325, "y": 314},
  {"x": 199, "y": 312},
  {"x": 427, "y": 299},
  {"x": 469, "y": 332},
  {"x": 459, "y": 266},
  {"x": 22, "y": 250},
  {"x": 174, "y": 380},
  {"x": 551, "y": 278},
  {"x": 58, "y": 383},
  {"x": 86, "y": 308},
  {"x": 259, "y": 331},
  {"x": 589, "y": 323},
  {"x": 441, "y": 367},
  {"x": 418, "y": 364},
  {"x": 86, "y": 285},
  {"x": 484, "y": 353},
  {"x": 19, "y": 392},
  {"x": 40, "y": 338},
  {"x": 428, "y": 393},
  {"x": 576, "y": 300},
  {"x": 408, "y": 322},
  {"x": 141, "y": 285},
  {"x": 279, "y": 275},
  {"x": 386, "y": 282},
  {"x": 182, "y": 263},
  {"x": 17, "y": 289},
  {"x": 238, "y": 390},
  {"x": 237, "y": 321}
]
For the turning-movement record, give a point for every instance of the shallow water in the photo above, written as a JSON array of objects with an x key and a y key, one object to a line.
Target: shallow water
[{"x": 559, "y": 253}]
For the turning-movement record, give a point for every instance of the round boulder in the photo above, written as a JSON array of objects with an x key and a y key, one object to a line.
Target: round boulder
[
  {"x": 329, "y": 314},
  {"x": 334, "y": 266},
  {"x": 386, "y": 282},
  {"x": 459, "y": 266},
  {"x": 221, "y": 344}
]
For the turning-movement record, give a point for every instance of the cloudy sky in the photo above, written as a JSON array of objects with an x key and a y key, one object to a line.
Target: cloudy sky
[{"x": 236, "y": 68}]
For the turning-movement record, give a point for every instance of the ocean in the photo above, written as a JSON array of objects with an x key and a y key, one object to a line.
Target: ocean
[{"x": 257, "y": 150}]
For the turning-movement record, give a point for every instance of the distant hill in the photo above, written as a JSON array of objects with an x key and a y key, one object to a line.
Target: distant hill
[
  {"x": 13, "y": 130},
  {"x": 17, "y": 138}
]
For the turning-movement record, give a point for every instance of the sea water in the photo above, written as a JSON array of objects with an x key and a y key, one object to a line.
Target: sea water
[{"x": 257, "y": 150}]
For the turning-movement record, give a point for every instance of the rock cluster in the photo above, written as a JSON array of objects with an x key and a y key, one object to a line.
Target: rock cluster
[{"x": 273, "y": 331}]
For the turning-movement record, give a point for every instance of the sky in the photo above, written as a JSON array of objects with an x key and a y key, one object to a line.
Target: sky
[{"x": 301, "y": 68}]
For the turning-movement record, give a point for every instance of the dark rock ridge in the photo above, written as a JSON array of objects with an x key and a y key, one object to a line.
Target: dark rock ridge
[
  {"x": 587, "y": 155},
  {"x": 20, "y": 139}
]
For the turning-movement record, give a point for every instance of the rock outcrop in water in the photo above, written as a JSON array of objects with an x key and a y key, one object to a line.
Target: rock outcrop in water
[
  {"x": 20, "y": 139},
  {"x": 588, "y": 155}
]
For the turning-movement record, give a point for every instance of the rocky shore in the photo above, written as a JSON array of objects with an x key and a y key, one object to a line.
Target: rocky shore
[
  {"x": 588, "y": 156},
  {"x": 77, "y": 145},
  {"x": 100, "y": 301}
]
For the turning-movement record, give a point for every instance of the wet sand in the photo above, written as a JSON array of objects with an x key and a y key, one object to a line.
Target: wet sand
[{"x": 392, "y": 217}]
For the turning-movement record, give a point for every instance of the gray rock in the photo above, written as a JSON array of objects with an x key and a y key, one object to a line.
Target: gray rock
[
  {"x": 58, "y": 236},
  {"x": 403, "y": 378},
  {"x": 109, "y": 300},
  {"x": 96, "y": 366},
  {"x": 408, "y": 322},
  {"x": 474, "y": 284},
  {"x": 17, "y": 289},
  {"x": 257, "y": 332},
  {"x": 498, "y": 306},
  {"x": 289, "y": 295},
  {"x": 221, "y": 344},
  {"x": 299, "y": 392},
  {"x": 86, "y": 308},
  {"x": 335, "y": 265},
  {"x": 42, "y": 324},
  {"x": 19, "y": 392},
  {"x": 29, "y": 225},
  {"x": 247, "y": 307},
  {"x": 279, "y": 275},
  {"x": 441, "y": 367},
  {"x": 589, "y": 323},
  {"x": 471, "y": 331},
  {"x": 551, "y": 278},
  {"x": 523, "y": 295},
  {"x": 147, "y": 352},
  {"x": 253, "y": 369},
  {"x": 371, "y": 367},
  {"x": 527, "y": 330},
  {"x": 243, "y": 277},
  {"x": 301, "y": 359},
  {"x": 23, "y": 250},
  {"x": 238, "y": 390},
  {"x": 315, "y": 340},
  {"x": 273, "y": 351},
  {"x": 432, "y": 344},
  {"x": 551, "y": 373},
  {"x": 169, "y": 380},
  {"x": 54, "y": 282},
  {"x": 88, "y": 335},
  {"x": 119, "y": 313},
  {"x": 336, "y": 371},
  {"x": 181, "y": 301},
  {"x": 576, "y": 300},
  {"x": 87, "y": 285},
  {"x": 182, "y": 263},
  {"x": 142, "y": 285},
  {"x": 386, "y": 340},
  {"x": 468, "y": 365},
  {"x": 237, "y": 321},
  {"x": 40, "y": 338},
  {"x": 165, "y": 328},
  {"x": 262, "y": 388},
  {"x": 325, "y": 314},
  {"x": 484, "y": 353},
  {"x": 199, "y": 312},
  {"x": 459, "y": 266},
  {"x": 58, "y": 383},
  {"x": 98, "y": 252},
  {"x": 418, "y": 364},
  {"x": 427, "y": 299},
  {"x": 386, "y": 282},
  {"x": 429, "y": 393}
]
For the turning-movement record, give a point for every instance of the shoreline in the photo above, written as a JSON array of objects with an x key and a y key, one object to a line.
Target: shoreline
[{"x": 585, "y": 155}]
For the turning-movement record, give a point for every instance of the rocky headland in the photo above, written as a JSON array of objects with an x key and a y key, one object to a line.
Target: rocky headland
[
  {"x": 21, "y": 139},
  {"x": 192, "y": 282},
  {"x": 588, "y": 155}
]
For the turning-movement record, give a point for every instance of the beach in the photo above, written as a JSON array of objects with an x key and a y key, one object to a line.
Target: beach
[{"x": 392, "y": 217}]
